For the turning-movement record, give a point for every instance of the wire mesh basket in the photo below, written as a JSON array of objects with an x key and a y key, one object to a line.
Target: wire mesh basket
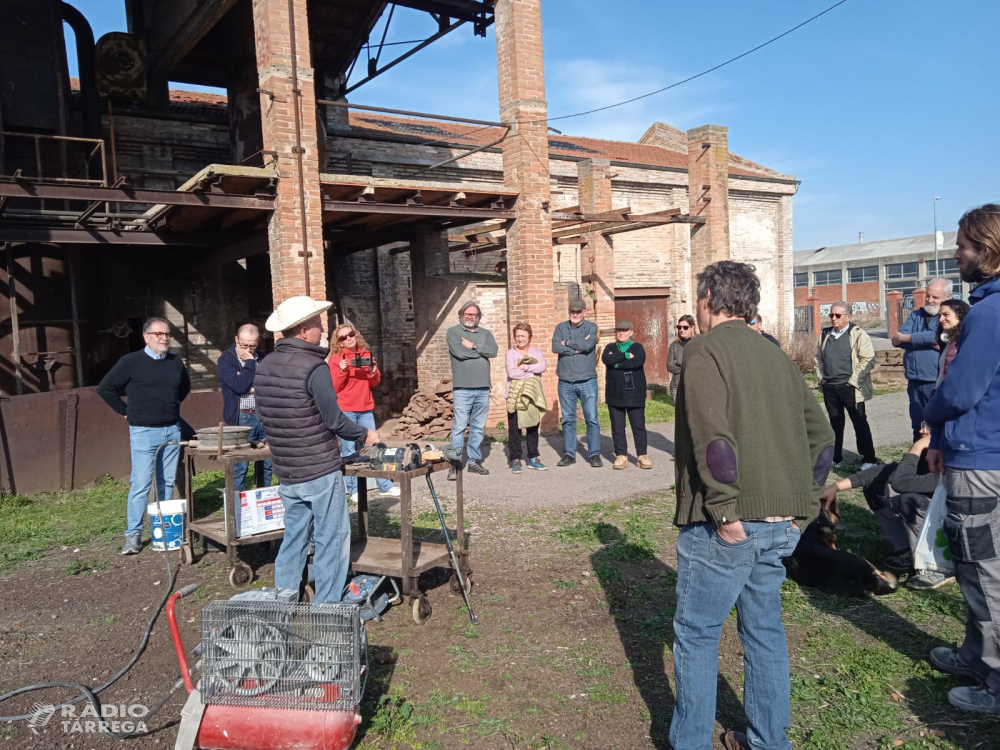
[{"x": 282, "y": 655}]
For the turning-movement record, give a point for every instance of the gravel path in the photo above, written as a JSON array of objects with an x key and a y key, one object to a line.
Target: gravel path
[{"x": 581, "y": 483}]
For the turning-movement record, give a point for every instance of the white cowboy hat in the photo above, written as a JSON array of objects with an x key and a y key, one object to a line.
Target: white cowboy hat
[{"x": 293, "y": 311}]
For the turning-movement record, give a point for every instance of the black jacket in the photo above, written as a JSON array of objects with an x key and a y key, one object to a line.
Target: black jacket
[
  {"x": 235, "y": 379},
  {"x": 621, "y": 370},
  {"x": 301, "y": 420}
]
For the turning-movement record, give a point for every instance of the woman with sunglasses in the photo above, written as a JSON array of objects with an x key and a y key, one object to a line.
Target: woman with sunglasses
[
  {"x": 949, "y": 329},
  {"x": 675, "y": 354},
  {"x": 355, "y": 373}
]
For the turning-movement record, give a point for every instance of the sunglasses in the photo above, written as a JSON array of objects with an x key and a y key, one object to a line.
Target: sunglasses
[
  {"x": 838, "y": 315},
  {"x": 346, "y": 336},
  {"x": 158, "y": 334},
  {"x": 683, "y": 328}
]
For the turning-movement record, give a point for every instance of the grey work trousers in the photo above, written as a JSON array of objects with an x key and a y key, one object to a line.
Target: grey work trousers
[
  {"x": 900, "y": 516},
  {"x": 973, "y": 530}
]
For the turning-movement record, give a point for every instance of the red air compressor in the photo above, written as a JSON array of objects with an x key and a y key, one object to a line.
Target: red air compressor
[{"x": 275, "y": 676}]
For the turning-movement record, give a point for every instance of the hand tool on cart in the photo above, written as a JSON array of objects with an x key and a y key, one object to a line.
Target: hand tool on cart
[{"x": 449, "y": 455}]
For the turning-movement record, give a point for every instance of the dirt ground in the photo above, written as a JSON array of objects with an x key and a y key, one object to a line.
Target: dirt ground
[{"x": 572, "y": 649}]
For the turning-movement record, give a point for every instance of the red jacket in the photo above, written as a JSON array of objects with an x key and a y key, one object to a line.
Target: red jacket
[{"x": 354, "y": 385}]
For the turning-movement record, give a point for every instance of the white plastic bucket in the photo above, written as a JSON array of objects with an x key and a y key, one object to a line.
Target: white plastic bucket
[{"x": 171, "y": 534}]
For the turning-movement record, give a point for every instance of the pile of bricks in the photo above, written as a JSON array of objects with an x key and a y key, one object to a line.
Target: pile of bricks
[
  {"x": 429, "y": 413},
  {"x": 393, "y": 394}
]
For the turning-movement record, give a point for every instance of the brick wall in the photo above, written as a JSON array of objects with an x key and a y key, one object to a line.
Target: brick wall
[{"x": 290, "y": 235}]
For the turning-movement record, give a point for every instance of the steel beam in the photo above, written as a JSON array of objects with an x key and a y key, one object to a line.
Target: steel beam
[
  {"x": 126, "y": 194},
  {"x": 400, "y": 209},
  {"x": 110, "y": 237},
  {"x": 469, "y": 10}
]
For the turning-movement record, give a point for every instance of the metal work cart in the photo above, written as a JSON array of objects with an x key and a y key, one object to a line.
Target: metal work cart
[
  {"x": 401, "y": 558},
  {"x": 222, "y": 530},
  {"x": 405, "y": 558}
]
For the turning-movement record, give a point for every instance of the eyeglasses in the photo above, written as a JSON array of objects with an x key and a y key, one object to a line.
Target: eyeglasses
[
  {"x": 346, "y": 336},
  {"x": 683, "y": 328},
  {"x": 159, "y": 334},
  {"x": 838, "y": 315},
  {"x": 248, "y": 346}
]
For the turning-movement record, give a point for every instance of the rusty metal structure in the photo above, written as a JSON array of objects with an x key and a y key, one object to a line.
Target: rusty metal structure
[{"x": 79, "y": 231}]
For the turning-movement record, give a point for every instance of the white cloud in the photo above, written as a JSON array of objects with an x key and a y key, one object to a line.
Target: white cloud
[{"x": 574, "y": 85}]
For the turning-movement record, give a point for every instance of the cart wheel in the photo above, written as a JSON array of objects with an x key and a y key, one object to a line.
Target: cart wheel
[
  {"x": 240, "y": 575},
  {"x": 456, "y": 589},
  {"x": 187, "y": 554},
  {"x": 421, "y": 610},
  {"x": 308, "y": 592}
]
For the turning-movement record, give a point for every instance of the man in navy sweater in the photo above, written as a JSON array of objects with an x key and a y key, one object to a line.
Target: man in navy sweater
[
  {"x": 237, "y": 369},
  {"x": 964, "y": 417},
  {"x": 918, "y": 339},
  {"x": 155, "y": 382}
]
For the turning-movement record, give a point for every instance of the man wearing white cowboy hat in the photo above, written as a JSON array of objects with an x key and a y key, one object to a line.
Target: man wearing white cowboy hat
[{"x": 298, "y": 407}]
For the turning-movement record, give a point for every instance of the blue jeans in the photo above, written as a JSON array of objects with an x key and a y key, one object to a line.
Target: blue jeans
[
  {"x": 144, "y": 441},
  {"x": 712, "y": 576},
  {"x": 240, "y": 470},
  {"x": 919, "y": 393},
  {"x": 321, "y": 499},
  {"x": 365, "y": 419},
  {"x": 472, "y": 407},
  {"x": 586, "y": 392}
]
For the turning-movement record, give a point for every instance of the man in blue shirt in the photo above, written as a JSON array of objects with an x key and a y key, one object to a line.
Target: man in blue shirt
[
  {"x": 918, "y": 339},
  {"x": 964, "y": 417},
  {"x": 237, "y": 370}
]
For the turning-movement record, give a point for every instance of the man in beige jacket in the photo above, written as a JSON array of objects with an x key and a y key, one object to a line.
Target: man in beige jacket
[{"x": 845, "y": 358}]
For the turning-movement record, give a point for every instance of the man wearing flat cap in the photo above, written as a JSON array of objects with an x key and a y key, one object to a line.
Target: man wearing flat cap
[
  {"x": 574, "y": 341},
  {"x": 298, "y": 407}
]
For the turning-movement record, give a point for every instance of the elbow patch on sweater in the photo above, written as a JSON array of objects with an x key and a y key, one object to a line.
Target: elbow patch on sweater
[
  {"x": 721, "y": 459},
  {"x": 823, "y": 463}
]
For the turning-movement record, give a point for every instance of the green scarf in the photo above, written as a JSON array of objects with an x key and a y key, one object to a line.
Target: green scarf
[{"x": 624, "y": 347}]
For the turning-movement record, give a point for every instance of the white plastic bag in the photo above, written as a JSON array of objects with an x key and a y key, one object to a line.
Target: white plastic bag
[{"x": 932, "y": 551}]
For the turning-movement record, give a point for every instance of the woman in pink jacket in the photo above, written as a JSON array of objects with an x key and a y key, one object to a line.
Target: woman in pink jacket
[{"x": 523, "y": 361}]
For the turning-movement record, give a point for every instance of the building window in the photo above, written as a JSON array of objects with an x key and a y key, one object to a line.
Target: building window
[
  {"x": 906, "y": 287},
  {"x": 902, "y": 270},
  {"x": 801, "y": 279},
  {"x": 827, "y": 278},
  {"x": 860, "y": 275},
  {"x": 944, "y": 267}
]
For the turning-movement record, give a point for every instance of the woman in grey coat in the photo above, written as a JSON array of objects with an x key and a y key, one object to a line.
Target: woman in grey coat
[{"x": 675, "y": 354}]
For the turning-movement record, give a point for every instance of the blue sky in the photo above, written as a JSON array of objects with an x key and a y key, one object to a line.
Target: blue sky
[{"x": 876, "y": 107}]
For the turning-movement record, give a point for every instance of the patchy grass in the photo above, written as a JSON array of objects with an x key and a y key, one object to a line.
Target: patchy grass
[{"x": 30, "y": 525}]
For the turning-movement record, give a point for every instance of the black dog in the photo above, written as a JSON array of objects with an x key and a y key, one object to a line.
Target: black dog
[{"x": 818, "y": 563}]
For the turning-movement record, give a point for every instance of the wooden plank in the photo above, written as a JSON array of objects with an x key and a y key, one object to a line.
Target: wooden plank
[{"x": 384, "y": 557}]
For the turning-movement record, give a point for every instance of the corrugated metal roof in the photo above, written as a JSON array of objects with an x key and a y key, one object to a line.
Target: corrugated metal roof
[{"x": 919, "y": 247}]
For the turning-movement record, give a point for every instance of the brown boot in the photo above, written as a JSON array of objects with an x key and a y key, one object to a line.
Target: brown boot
[
  {"x": 644, "y": 462},
  {"x": 621, "y": 462},
  {"x": 735, "y": 741}
]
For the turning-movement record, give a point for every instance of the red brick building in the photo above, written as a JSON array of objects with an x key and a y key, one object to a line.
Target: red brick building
[{"x": 864, "y": 274}]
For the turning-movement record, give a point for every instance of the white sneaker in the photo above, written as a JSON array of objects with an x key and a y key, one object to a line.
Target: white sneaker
[
  {"x": 391, "y": 492},
  {"x": 353, "y": 498},
  {"x": 865, "y": 467}
]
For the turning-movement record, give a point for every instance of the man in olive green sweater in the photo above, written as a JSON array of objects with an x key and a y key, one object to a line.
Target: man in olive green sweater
[{"x": 753, "y": 450}]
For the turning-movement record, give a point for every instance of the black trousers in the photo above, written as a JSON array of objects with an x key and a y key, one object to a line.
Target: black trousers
[
  {"x": 636, "y": 418},
  {"x": 514, "y": 438},
  {"x": 841, "y": 398}
]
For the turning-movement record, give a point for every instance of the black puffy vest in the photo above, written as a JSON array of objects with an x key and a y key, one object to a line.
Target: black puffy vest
[{"x": 302, "y": 446}]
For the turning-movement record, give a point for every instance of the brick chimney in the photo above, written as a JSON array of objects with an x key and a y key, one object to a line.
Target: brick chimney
[{"x": 708, "y": 194}]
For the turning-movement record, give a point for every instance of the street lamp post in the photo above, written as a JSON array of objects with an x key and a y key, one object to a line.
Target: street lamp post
[{"x": 937, "y": 270}]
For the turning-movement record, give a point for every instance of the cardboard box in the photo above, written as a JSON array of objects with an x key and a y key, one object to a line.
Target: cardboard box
[{"x": 258, "y": 511}]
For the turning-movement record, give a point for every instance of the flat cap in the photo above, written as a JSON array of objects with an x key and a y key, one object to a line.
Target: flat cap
[
  {"x": 623, "y": 325},
  {"x": 575, "y": 305}
]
